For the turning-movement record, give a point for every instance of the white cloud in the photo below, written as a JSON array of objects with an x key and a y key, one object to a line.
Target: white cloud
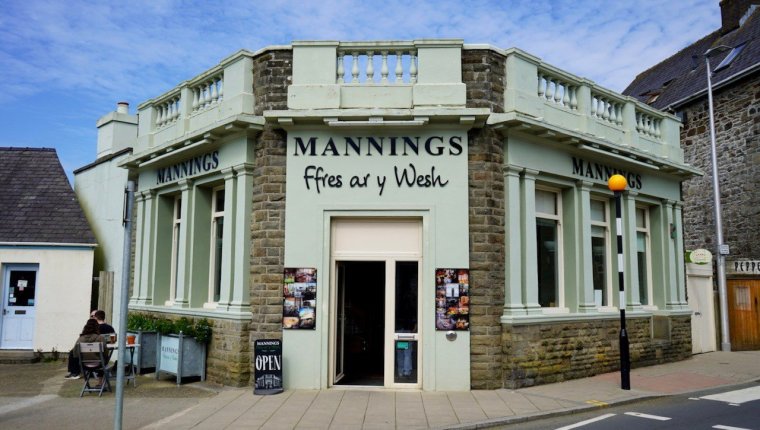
[{"x": 97, "y": 53}]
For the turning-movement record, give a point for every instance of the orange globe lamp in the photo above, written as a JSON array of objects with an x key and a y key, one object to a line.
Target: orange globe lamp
[{"x": 617, "y": 182}]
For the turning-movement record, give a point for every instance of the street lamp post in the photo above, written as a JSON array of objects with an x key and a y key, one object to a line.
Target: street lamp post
[
  {"x": 725, "y": 344},
  {"x": 618, "y": 183}
]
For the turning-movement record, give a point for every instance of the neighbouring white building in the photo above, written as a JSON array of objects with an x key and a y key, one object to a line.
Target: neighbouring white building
[{"x": 46, "y": 254}]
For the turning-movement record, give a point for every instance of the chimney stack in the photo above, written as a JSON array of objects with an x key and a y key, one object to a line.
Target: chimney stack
[
  {"x": 731, "y": 11},
  {"x": 116, "y": 130}
]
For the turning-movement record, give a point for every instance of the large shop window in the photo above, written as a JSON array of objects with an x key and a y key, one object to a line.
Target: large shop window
[
  {"x": 217, "y": 231},
  {"x": 548, "y": 247},
  {"x": 643, "y": 253},
  {"x": 176, "y": 226},
  {"x": 600, "y": 252}
]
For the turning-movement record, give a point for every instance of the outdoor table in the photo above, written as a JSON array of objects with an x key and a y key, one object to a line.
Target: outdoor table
[{"x": 131, "y": 373}]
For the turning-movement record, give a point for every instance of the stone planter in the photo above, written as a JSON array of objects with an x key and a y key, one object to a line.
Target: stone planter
[
  {"x": 145, "y": 354},
  {"x": 181, "y": 356}
]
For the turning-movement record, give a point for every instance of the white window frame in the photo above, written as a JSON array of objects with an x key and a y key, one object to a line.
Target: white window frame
[
  {"x": 557, "y": 218},
  {"x": 176, "y": 226},
  {"x": 648, "y": 249},
  {"x": 608, "y": 252},
  {"x": 216, "y": 214}
]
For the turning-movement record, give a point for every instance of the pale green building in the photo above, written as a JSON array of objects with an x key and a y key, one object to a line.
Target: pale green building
[{"x": 409, "y": 214}]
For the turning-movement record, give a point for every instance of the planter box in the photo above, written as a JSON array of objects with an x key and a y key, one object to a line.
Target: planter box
[
  {"x": 145, "y": 354},
  {"x": 181, "y": 356}
]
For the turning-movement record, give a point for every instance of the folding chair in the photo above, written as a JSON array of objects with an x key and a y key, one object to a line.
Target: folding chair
[{"x": 92, "y": 361}]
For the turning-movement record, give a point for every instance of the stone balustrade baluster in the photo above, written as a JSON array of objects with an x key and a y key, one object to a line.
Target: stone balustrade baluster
[
  {"x": 214, "y": 92},
  {"x": 412, "y": 68},
  {"x": 355, "y": 67},
  {"x": 195, "y": 99},
  {"x": 551, "y": 87},
  {"x": 399, "y": 68},
  {"x": 384, "y": 68},
  {"x": 566, "y": 96},
  {"x": 207, "y": 98},
  {"x": 220, "y": 90},
  {"x": 557, "y": 94},
  {"x": 541, "y": 90},
  {"x": 370, "y": 67},
  {"x": 593, "y": 105},
  {"x": 340, "y": 76},
  {"x": 613, "y": 112},
  {"x": 574, "y": 98}
]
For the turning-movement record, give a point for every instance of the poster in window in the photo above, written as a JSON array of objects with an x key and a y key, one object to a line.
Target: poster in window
[
  {"x": 299, "y": 305},
  {"x": 452, "y": 299}
]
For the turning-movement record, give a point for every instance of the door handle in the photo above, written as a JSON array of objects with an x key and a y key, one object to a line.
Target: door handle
[{"x": 697, "y": 313}]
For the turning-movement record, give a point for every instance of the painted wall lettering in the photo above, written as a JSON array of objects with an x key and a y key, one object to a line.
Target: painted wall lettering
[
  {"x": 377, "y": 146},
  {"x": 603, "y": 172},
  {"x": 193, "y": 166}
]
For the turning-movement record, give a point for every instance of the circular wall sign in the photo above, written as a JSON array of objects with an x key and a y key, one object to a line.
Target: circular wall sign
[{"x": 700, "y": 256}]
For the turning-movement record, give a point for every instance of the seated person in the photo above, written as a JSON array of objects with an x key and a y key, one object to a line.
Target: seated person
[
  {"x": 100, "y": 317},
  {"x": 90, "y": 333}
]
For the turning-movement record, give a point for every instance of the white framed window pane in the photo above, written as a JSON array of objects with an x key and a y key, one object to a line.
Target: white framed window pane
[
  {"x": 597, "y": 231},
  {"x": 219, "y": 231},
  {"x": 546, "y": 202},
  {"x": 548, "y": 273},
  {"x": 641, "y": 259},
  {"x": 219, "y": 200},
  {"x": 641, "y": 218},
  {"x": 599, "y": 269},
  {"x": 597, "y": 211}
]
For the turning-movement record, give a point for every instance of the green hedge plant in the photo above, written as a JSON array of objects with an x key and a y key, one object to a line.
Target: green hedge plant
[{"x": 199, "y": 329}]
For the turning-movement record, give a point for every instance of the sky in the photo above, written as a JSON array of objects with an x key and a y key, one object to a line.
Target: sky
[{"x": 65, "y": 64}]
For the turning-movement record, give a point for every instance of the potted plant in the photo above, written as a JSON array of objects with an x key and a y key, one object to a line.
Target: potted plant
[
  {"x": 143, "y": 327},
  {"x": 182, "y": 347}
]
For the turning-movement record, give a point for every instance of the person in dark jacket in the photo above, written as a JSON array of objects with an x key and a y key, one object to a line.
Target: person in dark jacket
[{"x": 90, "y": 333}]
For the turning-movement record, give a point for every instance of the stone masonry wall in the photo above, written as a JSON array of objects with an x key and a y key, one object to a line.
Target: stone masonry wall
[
  {"x": 737, "y": 129},
  {"x": 545, "y": 353},
  {"x": 272, "y": 72},
  {"x": 483, "y": 74}
]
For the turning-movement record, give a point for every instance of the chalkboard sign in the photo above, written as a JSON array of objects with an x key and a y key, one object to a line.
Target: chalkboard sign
[{"x": 268, "y": 361}]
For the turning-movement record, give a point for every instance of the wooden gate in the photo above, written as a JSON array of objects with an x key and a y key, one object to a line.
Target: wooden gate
[{"x": 744, "y": 313}]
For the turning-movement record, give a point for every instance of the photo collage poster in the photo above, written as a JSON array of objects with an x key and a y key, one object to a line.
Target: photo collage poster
[
  {"x": 452, "y": 299},
  {"x": 299, "y": 305}
]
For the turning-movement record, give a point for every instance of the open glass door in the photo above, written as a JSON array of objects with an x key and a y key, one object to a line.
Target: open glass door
[
  {"x": 406, "y": 315},
  {"x": 375, "y": 333},
  {"x": 340, "y": 327}
]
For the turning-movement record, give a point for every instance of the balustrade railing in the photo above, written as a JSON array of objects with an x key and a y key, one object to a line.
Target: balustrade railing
[
  {"x": 556, "y": 90},
  {"x": 606, "y": 108},
  {"x": 168, "y": 110},
  {"x": 648, "y": 124},
  {"x": 208, "y": 93},
  {"x": 376, "y": 65}
]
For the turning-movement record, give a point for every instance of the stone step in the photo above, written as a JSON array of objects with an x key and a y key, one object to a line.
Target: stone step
[{"x": 18, "y": 356}]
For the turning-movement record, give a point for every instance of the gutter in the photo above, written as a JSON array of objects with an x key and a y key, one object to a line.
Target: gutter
[{"x": 49, "y": 244}]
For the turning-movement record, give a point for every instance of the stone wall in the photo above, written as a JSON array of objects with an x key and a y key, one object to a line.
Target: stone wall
[
  {"x": 229, "y": 353},
  {"x": 737, "y": 117},
  {"x": 483, "y": 74},
  {"x": 272, "y": 72},
  {"x": 544, "y": 353}
]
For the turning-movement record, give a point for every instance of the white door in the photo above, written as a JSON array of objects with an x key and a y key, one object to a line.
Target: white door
[
  {"x": 375, "y": 322},
  {"x": 701, "y": 303},
  {"x": 19, "y": 285}
]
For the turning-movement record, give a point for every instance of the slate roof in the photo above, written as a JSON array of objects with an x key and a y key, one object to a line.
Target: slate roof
[
  {"x": 684, "y": 74},
  {"x": 37, "y": 203}
]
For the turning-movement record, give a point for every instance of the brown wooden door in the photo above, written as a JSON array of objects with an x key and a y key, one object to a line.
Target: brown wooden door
[{"x": 744, "y": 313}]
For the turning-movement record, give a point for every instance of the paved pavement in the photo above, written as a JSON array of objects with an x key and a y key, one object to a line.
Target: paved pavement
[{"x": 163, "y": 405}]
